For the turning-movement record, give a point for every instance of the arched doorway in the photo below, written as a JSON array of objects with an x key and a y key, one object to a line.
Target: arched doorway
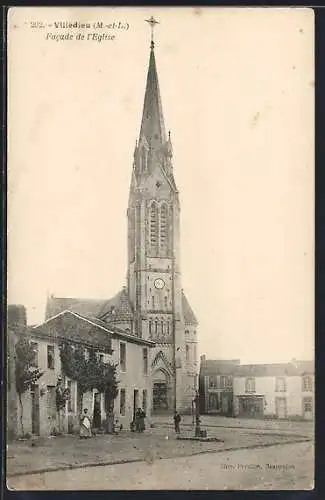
[{"x": 160, "y": 391}]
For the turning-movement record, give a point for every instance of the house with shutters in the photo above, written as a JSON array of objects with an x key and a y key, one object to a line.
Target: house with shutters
[
  {"x": 277, "y": 390},
  {"x": 216, "y": 385},
  {"x": 131, "y": 355}
]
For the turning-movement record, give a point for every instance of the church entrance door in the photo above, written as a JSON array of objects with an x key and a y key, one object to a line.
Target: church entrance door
[{"x": 160, "y": 400}]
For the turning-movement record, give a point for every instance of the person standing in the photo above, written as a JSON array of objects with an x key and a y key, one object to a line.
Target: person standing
[
  {"x": 137, "y": 420},
  {"x": 85, "y": 425},
  {"x": 177, "y": 420},
  {"x": 142, "y": 416}
]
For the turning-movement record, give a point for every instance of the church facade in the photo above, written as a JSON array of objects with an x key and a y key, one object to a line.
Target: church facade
[{"x": 153, "y": 305}]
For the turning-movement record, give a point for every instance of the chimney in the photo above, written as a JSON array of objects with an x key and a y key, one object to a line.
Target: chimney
[
  {"x": 17, "y": 316},
  {"x": 202, "y": 358}
]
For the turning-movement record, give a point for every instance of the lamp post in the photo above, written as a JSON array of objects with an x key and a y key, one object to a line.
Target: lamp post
[{"x": 197, "y": 415}]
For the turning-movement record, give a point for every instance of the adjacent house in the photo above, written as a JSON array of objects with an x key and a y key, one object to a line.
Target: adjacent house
[
  {"x": 216, "y": 386},
  {"x": 277, "y": 390},
  {"x": 130, "y": 354}
]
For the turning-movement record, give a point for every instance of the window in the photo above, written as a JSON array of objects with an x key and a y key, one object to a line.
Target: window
[
  {"x": 250, "y": 385},
  {"x": 153, "y": 302},
  {"x": 165, "y": 302},
  {"x": 144, "y": 400},
  {"x": 213, "y": 382},
  {"x": 280, "y": 384},
  {"x": 162, "y": 327},
  {"x": 150, "y": 326},
  {"x": 307, "y": 384},
  {"x": 34, "y": 346},
  {"x": 156, "y": 326},
  {"x": 195, "y": 352},
  {"x": 123, "y": 356},
  {"x": 50, "y": 357},
  {"x": 167, "y": 327},
  {"x": 164, "y": 226},
  {"x": 153, "y": 223},
  {"x": 122, "y": 401},
  {"x": 101, "y": 358},
  {"x": 223, "y": 382},
  {"x": 187, "y": 352},
  {"x": 308, "y": 405},
  {"x": 145, "y": 360}
]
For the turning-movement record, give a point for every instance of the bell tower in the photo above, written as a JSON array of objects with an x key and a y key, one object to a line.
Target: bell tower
[{"x": 154, "y": 281}]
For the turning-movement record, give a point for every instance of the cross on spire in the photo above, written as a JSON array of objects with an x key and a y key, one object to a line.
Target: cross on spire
[{"x": 152, "y": 22}]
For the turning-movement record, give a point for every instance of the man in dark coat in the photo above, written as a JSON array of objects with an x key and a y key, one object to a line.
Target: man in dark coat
[{"x": 177, "y": 420}]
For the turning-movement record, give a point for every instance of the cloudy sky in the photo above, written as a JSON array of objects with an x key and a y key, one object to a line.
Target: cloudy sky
[{"x": 238, "y": 96}]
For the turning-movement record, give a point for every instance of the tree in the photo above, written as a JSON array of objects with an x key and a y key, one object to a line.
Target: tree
[
  {"x": 91, "y": 373},
  {"x": 26, "y": 374}
]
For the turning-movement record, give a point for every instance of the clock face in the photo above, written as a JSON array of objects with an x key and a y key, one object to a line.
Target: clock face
[{"x": 159, "y": 283}]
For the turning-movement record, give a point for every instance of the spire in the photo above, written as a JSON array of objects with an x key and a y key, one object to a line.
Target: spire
[{"x": 152, "y": 125}]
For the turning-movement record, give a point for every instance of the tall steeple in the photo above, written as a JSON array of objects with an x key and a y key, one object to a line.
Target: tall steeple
[
  {"x": 154, "y": 278},
  {"x": 152, "y": 124}
]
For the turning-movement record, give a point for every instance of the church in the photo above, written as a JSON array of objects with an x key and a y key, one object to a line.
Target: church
[{"x": 153, "y": 306}]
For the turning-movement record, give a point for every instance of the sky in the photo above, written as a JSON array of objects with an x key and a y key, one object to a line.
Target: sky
[{"x": 237, "y": 88}]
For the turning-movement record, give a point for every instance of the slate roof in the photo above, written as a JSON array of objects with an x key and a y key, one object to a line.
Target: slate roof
[
  {"x": 152, "y": 124},
  {"x": 73, "y": 327},
  {"x": 275, "y": 369},
  {"x": 118, "y": 308},
  {"x": 86, "y": 307},
  {"x": 99, "y": 331},
  {"x": 218, "y": 366},
  {"x": 189, "y": 316},
  {"x": 115, "y": 309},
  {"x": 94, "y": 308}
]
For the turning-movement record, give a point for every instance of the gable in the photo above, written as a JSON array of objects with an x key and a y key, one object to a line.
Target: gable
[
  {"x": 73, "y": 327},
  {"x": 161, "y": 363}
]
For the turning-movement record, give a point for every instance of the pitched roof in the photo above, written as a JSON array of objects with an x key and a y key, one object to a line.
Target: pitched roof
[
  {"x": 101, "y": 335},
  {"x": 76, "y": 328},
  {"x": 118, "y": 332},
  {"x": 116, "y": 309},
  {"x": 189, "y": 316},
  {"x": 218, "y": 366},
  {"x": 87, "y": 307},
  {"x": 275, "y": 369}
]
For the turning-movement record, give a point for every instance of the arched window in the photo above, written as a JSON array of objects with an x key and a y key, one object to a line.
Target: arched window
[
  {"x": 156, "y": 326},
  {"x": 164, "y": 227},
  {"x": 162, "y": 327},
  {"x": 150, "y": 326},
  {"x": 153, "y": 217},
  {"x": 167, "y": 327}
]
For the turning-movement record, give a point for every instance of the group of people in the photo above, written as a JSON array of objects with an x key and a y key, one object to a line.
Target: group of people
[
  {"x": 137, "y": 425},
  {"x": 138, "y": 422}
]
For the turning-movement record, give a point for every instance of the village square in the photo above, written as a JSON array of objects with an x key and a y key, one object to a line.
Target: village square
[{"x": 115, "y": 394}]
